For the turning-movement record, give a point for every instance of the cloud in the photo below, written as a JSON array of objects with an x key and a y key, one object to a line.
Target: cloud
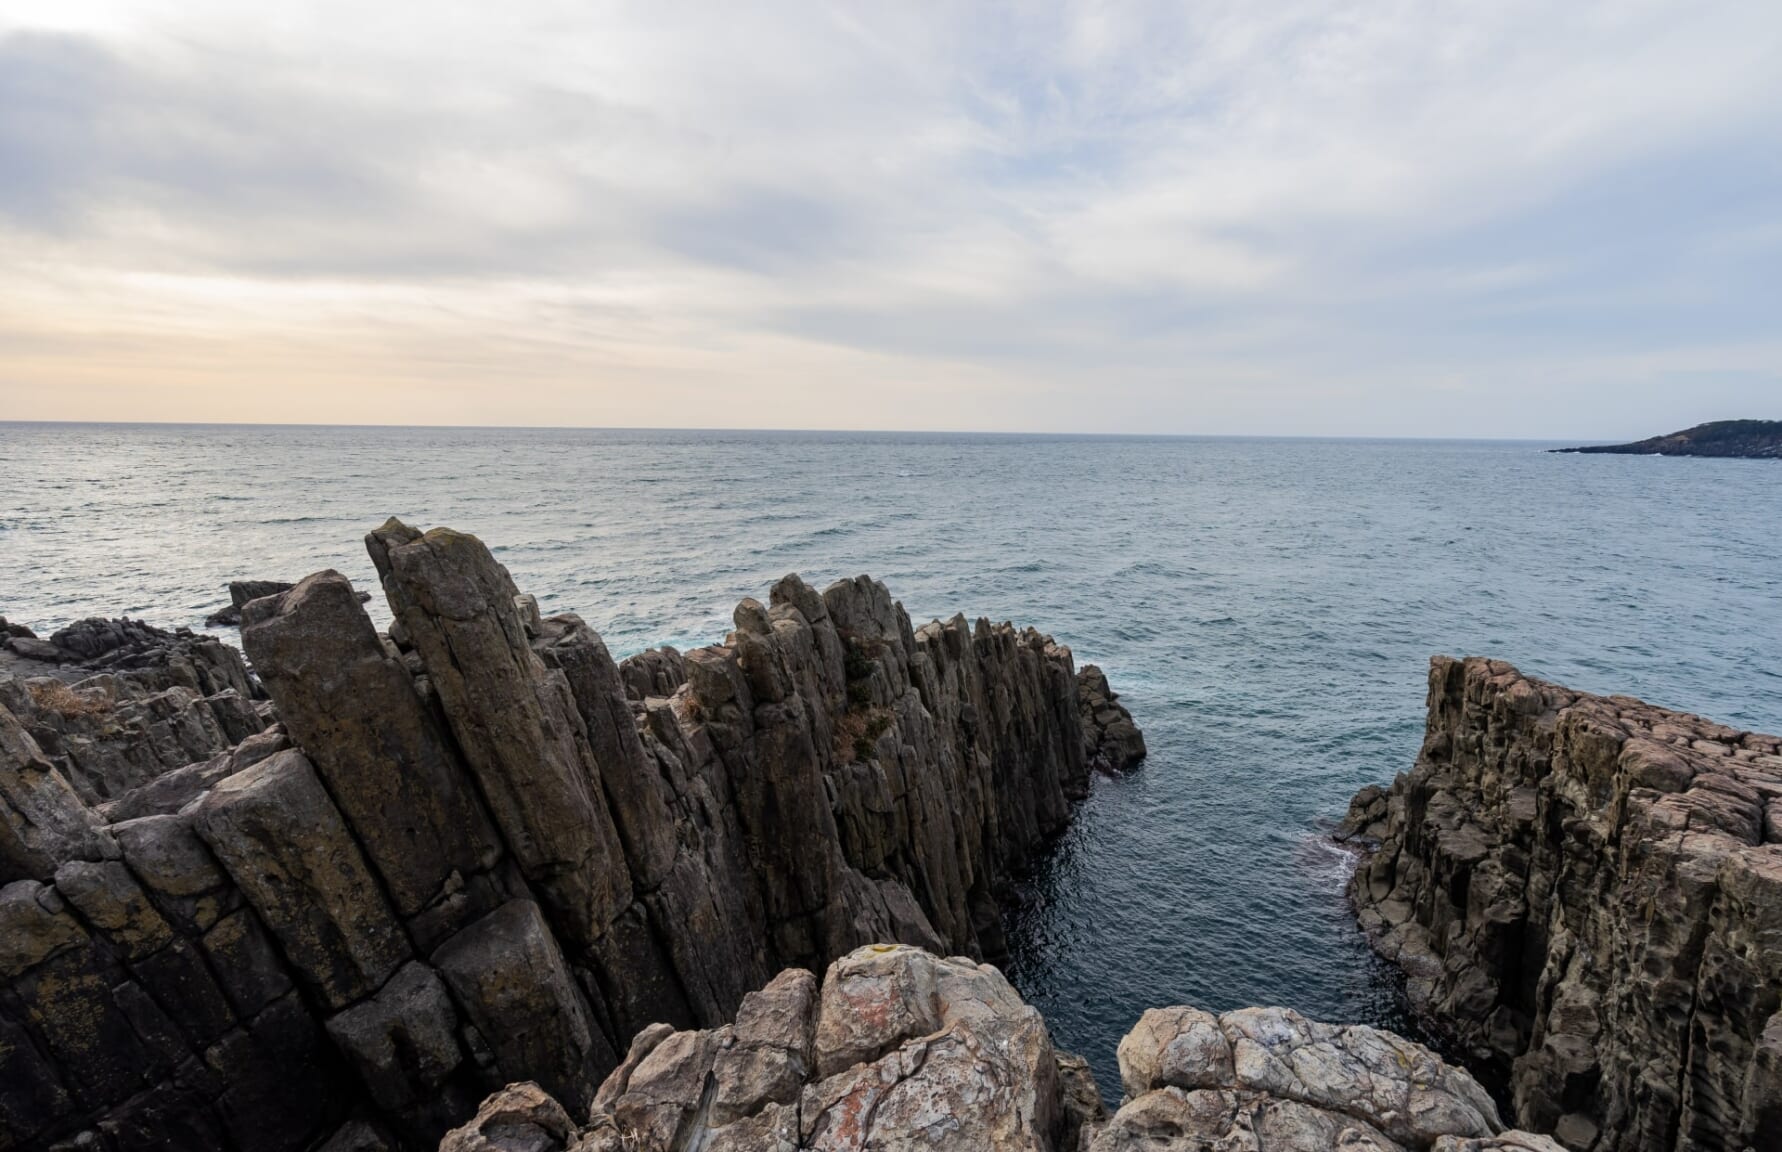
[{"x": 1189, "y": 217}]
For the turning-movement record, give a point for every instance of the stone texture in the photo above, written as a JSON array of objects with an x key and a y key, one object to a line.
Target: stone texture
[
  {"x": 285, "y": 845},
  {"x": 42, "y": 821},
  {"x": 1269, "y": 1079},
  {"x": 1111, "y": 741},
  {"x": 388, "y": 763},
  {"x": 476, "y": 850},
  {"x": 1586, "y": 893},
  {"x": 910, "y": 1051}
]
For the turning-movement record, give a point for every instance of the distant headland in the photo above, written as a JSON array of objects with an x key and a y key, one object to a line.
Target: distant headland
[{"x": 1746, "y": 439}]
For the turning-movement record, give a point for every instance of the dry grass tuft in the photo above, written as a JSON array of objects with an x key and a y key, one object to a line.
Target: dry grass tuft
[{"x": 55, "y": 696}]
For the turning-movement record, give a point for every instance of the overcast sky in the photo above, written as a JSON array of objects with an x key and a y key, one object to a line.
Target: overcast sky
[{"x": 1418, "y": 218}]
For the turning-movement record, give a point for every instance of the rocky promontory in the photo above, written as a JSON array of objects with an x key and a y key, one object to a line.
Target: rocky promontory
[
  {"x": 1743, "y": 439},
  {"x": 337, "y": 901},
  {"x": 1585, "y": 894},
  {"x": 899, "y": 1050}
]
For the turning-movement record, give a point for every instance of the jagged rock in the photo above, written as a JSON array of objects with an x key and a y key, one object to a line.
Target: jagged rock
[
  {"x": 42, "y": 821},
  {"x": 1586, "y": 894},
  {"x": 476, "y": 850},
  {"x": 898, "y": 1050},
  {"x": 1111, "y": 741},
  {"x": 653, "y": 672},
  {"x": 388, "y": 762},
  {"x": 108, "y": 735},
  {"x": 171, "y": 791}
]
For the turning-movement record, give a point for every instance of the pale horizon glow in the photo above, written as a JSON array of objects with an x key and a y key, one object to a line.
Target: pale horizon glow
[{"x": 1304, "y": 218}]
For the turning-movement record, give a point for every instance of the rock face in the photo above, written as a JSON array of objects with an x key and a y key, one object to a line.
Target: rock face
[
  {"x": 477, "y": 851},
  {"x": 899, "y": 1049},
  {"x": 1111, "y": 741},
  {"x": 1749, "y": 439},
  {"x": 116, "y": 704},
  {"x": 1586, "y": 894}
]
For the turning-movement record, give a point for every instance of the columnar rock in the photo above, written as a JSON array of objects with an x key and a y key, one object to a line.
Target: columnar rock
[
  {"x": 477, "y": 851},
  {"x": 1586, "y": 893}
]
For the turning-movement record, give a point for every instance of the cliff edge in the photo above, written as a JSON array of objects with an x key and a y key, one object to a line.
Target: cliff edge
[{"x": 1585, "y": 893}]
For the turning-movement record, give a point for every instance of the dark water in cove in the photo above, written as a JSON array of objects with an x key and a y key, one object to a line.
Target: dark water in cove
[{"x": 1267, "y": 608}]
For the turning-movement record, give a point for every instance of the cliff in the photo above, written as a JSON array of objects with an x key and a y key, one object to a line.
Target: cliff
[
  {"x": 899, "y": 1050},
  {"x": 1586, "y": 894},
  {"x": 476, "y": 850},
  {"x": 1748, "y": 439}
]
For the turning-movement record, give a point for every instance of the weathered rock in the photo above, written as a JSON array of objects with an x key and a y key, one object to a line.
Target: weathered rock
[
  {"x": 476, "y": 850},
  {"x": 519, "y": 1118},
  {"x": 899, "y": 1050},
  {"x": 388, "y": 763},
  {"x": 1586, "y": 894},
  {"x": 281, "y": 839},
  {"x": 42, "y": 821},
  {"x": 515, "y": 721},
  {"x": 653, "y": 672},
  {"x": 107, "y": 735},
  {"x": 244, "y": 592},
  {"x": 1268, "y": 1078},
  {"x": 1111, "y": 741},
  {"x": 510, "y": 977}
]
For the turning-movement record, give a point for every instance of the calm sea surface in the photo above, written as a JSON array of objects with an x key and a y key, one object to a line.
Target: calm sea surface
[{"x": 1266, "y": 607}]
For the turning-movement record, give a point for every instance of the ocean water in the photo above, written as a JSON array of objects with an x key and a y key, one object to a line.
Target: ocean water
[{"x": 1266, "y": 608}]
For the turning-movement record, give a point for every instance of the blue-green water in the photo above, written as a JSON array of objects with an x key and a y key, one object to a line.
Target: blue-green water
[{"x": 1267, "y": 607}]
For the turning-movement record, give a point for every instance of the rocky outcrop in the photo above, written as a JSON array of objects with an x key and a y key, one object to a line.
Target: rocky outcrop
[
  {"x": 899, "y": 1049},
  {"x": 1111, "y": 741},
  {"x": 116, "y": 704},
  {"x": 475, "y": 850},
  {"x": 1585, "y": 893},
  {"x": 1269, "y": 1079}
]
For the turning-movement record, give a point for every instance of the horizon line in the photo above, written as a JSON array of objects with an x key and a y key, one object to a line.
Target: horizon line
[{"x": 221, "y": 424}]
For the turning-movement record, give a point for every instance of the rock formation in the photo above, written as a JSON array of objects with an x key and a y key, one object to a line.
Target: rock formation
[
  {"x": 243, "y": 591},
  {"x": 475, "y": 850},
  {"x": 899, "y": 1049},
  {"x": 1586, "y": 894}
]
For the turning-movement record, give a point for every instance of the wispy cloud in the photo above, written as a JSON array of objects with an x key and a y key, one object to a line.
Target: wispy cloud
[{"x": 1441, "y": 218}]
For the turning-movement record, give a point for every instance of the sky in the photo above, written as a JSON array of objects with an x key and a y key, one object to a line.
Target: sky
[{"x": 1380, "y": 218}]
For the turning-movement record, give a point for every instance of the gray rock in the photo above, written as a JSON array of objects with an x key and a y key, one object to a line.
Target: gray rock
[
  {"x": 388, "y": 764},
  {"x": 283, "y": 842},
  {"x": 1586, "y": 892},
  {"x": 510, "y": 977},
  {"x": 42, "y": 821}
]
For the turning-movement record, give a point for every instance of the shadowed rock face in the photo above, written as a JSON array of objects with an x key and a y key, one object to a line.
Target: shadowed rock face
[
  {"x": 1586, "y": 894},
  {"x": 899, "y": 1049},
  {"x": 476, "y": 851}
]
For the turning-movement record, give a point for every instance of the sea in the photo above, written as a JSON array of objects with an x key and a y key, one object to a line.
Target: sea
[{"x": 1266, "y": 608}]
